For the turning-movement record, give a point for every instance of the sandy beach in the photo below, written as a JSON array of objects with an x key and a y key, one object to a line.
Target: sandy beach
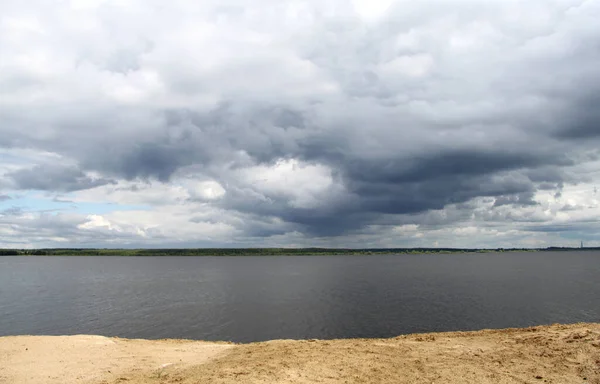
[{"x": 544, "y": 354}]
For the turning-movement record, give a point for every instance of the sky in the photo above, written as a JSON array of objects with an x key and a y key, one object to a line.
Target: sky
[{"x": 276, "y": 123}]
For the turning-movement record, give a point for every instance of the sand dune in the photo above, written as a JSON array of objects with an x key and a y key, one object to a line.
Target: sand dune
[{"x": 546, "y": 354}]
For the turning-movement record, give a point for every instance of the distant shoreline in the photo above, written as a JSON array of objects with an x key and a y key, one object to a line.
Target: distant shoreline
[{"x": 267, "y": 251}]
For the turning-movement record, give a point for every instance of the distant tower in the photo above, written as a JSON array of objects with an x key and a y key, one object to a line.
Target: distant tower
[{"x": 581, "y": 243}]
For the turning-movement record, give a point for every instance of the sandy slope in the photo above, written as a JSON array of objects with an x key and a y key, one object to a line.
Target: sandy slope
[
  {"x": 548, "y": 354},
  {"x": 96, "y": 359}
]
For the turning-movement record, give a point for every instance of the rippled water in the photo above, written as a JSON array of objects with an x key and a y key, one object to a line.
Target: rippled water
[{"x": 259, "y": 298}]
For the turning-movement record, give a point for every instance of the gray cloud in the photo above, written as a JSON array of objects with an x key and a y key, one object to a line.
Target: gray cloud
[
  {"x": 584, "y": 124},
  {"x": 426, "y": 106},
  {"x": 523, "y": 199},
  {"x": 12, "y": 211},
  {"x": 54, "y": 178}
]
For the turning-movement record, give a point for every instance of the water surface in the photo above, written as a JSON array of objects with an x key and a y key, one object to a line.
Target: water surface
[{"x": 259, "y": 298}]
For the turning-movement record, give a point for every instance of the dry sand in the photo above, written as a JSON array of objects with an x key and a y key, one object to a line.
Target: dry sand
[{"x": 545, "y": 354}]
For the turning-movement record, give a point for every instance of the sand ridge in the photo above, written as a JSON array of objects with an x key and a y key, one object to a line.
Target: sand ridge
[{"x": 545, "y": 354}]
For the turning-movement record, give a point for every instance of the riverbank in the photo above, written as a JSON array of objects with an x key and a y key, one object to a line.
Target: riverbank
[
  {"x": 270, "y": 251},
  {"x": 544, "y": 354}
]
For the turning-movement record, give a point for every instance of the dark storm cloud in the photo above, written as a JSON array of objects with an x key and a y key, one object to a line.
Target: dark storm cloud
[
  {"x": 332, "y": 222},
  {"x": 584, "y": 123},
  {"x": 406, "y": 186},
  {"x": 547, "y": 176},
  {"x": 153, "y": 160},
  {"x": 455, "y": 162},
  {"x": 396, "y": 183},
  {"x": 54, "y": 178}
]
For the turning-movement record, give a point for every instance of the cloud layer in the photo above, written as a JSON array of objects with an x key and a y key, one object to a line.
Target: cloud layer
[{"x": 294, "y": 123}]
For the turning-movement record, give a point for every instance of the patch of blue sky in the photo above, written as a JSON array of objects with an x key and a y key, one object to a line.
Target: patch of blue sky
[{"x": 37, "y": 202}]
